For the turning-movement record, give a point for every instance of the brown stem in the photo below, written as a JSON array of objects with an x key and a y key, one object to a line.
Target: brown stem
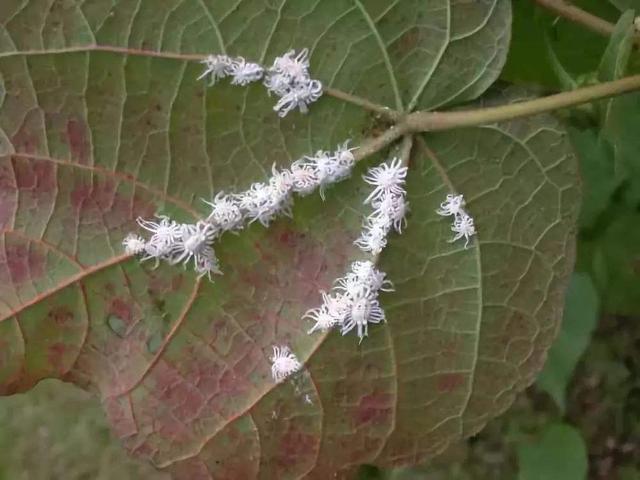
[{"x": 582, "y": 17}]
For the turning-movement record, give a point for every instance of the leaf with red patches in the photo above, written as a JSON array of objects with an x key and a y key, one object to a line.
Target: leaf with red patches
[{"x": 108, "y": 122}]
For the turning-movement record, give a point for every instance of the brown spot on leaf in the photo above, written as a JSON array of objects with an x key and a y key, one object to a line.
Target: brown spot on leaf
[
  {"x": 121, "y": 309},
  {"x": 79, "y": 195},
  {"x": 56, "y": 356},
  {"x": 60, "y": 315},
  {"x": 448, "y": 382},
  {"x": 38, "y": 176},
  {"x": 24, "y": 141},
  {"x": 373, "y": 408},
  {"x": 294, "y": 445},
  {"x": 78, "y": 141},
  {"x": 408, "y": 41},
  {"x": 24, "y": 263}
]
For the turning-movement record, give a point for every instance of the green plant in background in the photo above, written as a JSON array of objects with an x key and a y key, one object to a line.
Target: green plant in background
[{"x": 181, "y": 365}]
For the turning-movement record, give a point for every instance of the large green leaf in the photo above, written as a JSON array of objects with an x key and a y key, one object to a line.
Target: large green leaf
[{"x": 102, "y": 120}]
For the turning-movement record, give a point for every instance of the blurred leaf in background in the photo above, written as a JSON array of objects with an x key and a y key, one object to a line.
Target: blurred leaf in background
[
  {"x": 579, "y": 320},
  {"x": 58, "y": 432},
  {"x": 577, "y": 48},
  {"x": 623, "y": 5},
  {"x": 560, "y": 454}
]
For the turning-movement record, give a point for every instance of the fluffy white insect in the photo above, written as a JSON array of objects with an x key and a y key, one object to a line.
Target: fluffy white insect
[
  {"x": 374, "y": 235},
  {"x": 453, "y": 205},
  {"x": 216, "y": 67},
  {"x": 244, "y": 72},
  {"x": 368, "y": 275},
  {"x": 365, "y": 309},
  {"x": 225, "y": 212},
  {"x": 386, "y": 178},
  {"x": 164, "y": 231},
  {"x": 133, "y": 244},
  {"x": 194, "y": 243},
  {"x": 293, "y": 65},
  {"x": 463, "y": 226},
  {"x": 350, "y": 285},
  {"x": 323, "y": 318},
  {"x": 328, "y": 169},
  {"x": 207, "y": 263},
  {"x": 344, "y": 155},
  {"x": 390, "y": 209},
  {"x": 303, "y": 178},
  {"x": 337, "y": 304},
  {"x": 299, "y": 96},
  {"x": 281, "y": 181},
  {"x": 288, "y": 71},
  {"x": 263, "y": 202},
  {"x": 277, "y": 83},
  {"x": 283, "y": 363}
]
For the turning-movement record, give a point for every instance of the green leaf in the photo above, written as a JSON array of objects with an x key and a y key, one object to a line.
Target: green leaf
[
  {"x": 103, "y": 121},
  {"x": 615, "y": 262},
  {"x": 616, "y": 57},
  {"x": 578, "y": 322},
  {"x": 576, "y": 48},
  {"x": 559, "y": 453},
  {"x": 597, "y": 167},
  {"x": 566, "y": 81},
  {"x": 618, "y": 129}
]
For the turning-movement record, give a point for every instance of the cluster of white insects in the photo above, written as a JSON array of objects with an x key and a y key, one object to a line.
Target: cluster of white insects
[
  {"x": 353, "y": 301},
  {"x": 180, "y": 243},
  {"x": 288, "y": 78},
  {"x": 462, "y": 225}
]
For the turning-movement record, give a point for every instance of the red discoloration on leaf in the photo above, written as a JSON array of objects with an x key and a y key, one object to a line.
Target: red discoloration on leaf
[
  {"x": 448, "y": 382},
  {"x": 57, "y": 357},
  {"x": 373, "y": 408},
  {"x": 78, "y": 141},
  {"x": 290, "y": 238},
  {"x": 62, "y": 316},
  {"x": 191, "y": 469},
  {"x": 8, "y": 198},
  {"x": 121, "y": 309},
  {"x": 24, "y": 263},
  {"x": 120, "y": 416},
  {"x": 79, "y": 195},
  {"x": 295, "y": 445},
  {"x": 104, "y": 192},
  {"x": 25, "y": 140},
  {"x": 36, "y": 176},
  {"x": 231, "y": 455},
  {"x": 180, "y": 397}
]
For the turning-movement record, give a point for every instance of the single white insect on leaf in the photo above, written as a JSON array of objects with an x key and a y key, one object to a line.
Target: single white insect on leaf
[{"x": 283, "y": 363}]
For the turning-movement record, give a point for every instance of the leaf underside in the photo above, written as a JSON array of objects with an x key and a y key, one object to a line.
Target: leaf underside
[{"x": 102, "y": 120}]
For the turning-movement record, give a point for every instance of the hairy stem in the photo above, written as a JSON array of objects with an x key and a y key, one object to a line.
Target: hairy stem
[
  {"x": 434, "y": 121},
  {"x": 582, "y": 17}
]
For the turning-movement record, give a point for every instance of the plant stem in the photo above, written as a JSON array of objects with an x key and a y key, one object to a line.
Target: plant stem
[
  {"x": 434, "y": 121},
  {"x": 383, "y": 111},
  {"x": 375, "y": 144},
  {"x": 582, "y": 17}
]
